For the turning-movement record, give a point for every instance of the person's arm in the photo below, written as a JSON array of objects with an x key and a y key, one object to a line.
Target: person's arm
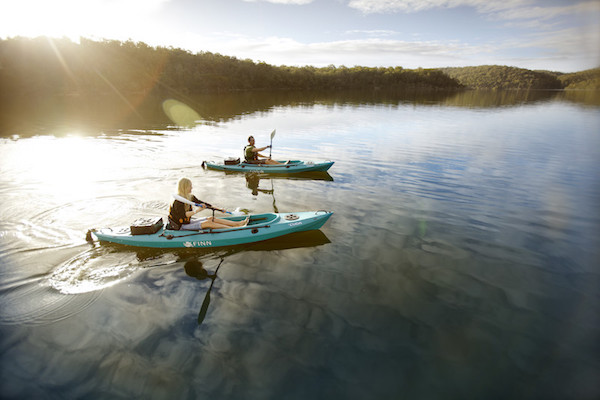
[
  {"x": 256, "y": 149},
  {"x": 189, "y": 214},
  {"x": 205, "y": 205}
]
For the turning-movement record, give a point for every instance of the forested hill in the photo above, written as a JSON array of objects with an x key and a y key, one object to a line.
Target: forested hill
[
  {"x": 59, "y": 66},
  {"x": 588, "y": 79},
  {"x": 502, "y": 77}
]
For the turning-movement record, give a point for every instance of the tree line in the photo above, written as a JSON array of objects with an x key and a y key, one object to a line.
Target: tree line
[
  {"x": 48, "y": 66},
  {"x": 44, "y": 66}
]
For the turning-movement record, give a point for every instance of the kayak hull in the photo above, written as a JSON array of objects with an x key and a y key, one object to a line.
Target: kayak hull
[
  {"x": 294, "y": 166},
  {"x": 261, "y": 227}
]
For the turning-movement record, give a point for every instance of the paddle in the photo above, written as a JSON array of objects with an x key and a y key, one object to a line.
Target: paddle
[
  {"x": 206, "y": 302},
  {"x": 271, "y": 145},
  {"x": 235, "y": 212}
]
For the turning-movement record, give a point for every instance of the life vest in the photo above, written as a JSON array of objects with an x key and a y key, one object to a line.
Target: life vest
[
  {"x": 177, "y": 215},
  {"x": 249, "y": 155},
  {"x": 177, "y": 212}
]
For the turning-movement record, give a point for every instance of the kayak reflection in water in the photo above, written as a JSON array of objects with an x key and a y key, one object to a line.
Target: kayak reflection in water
[
  {"x": 251, "y": 154},
  {"x": 180, "y": 214}
]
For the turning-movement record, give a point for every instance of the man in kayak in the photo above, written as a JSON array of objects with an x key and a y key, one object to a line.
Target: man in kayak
[
  {"x": 180, "y": 214},
  {"x": 251, "y": 154}
]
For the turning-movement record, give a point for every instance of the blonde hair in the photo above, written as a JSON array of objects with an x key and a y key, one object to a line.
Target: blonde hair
[{"x": 184, "y": 187}]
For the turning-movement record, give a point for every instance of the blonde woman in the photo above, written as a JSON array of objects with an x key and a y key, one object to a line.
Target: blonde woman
[{"x": 180, "y": 214}]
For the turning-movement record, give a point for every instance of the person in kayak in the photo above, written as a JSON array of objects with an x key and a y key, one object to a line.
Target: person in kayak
[
  {"x": 180, "y": 214},
  {"x": 251, "y": 154}
]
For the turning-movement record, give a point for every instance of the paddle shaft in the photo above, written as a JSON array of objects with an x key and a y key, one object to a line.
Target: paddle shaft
[{"x": 191, "y": 203}]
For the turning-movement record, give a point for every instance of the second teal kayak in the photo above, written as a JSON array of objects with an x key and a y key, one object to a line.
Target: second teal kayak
[{"x": 289, "y": 167}]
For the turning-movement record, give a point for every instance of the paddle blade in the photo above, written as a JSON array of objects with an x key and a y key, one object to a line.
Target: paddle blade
[
  {"x": 184, "y": 200},
  {"x": 273, "y": 134},
  {"x": 204, "y": 308},
  {"x": 237, "y": 212},
  {"x": 206, "y": 302}
]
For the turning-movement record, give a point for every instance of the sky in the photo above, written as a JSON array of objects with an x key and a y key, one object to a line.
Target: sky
[{"x": 556, "y": 35}]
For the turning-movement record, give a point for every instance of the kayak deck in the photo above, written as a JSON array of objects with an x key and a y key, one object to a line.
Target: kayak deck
[
  {"x": 260, "y": 227},
  {"x": 286, "y": 167}
]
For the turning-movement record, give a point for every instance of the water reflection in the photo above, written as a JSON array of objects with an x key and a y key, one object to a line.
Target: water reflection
[
  {"x": 302, "y": 176},
  {"x": 93, "y": 115},
  {"x": 253, "y": 180},
  {"x": 252, "y": 183},
  {"x": 195, "y": 269},
  {"x": 465, "y": 236}
]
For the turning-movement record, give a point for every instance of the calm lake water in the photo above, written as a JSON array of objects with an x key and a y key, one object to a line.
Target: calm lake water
[{"x": 461, "y": 261}]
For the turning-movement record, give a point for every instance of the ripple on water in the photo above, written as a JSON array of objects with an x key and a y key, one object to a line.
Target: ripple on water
[
  {"x": 34, "y": 303},
  {"x": 94, "y": 270},
  {"x": 70, "y": 288}
]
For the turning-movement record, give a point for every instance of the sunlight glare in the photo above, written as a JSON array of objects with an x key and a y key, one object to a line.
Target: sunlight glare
[
  {"x": 64, "y": 167},
  {"x": 73, "y": 19}
]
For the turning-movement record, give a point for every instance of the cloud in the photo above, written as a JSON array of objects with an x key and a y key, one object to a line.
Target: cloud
[
  {"x": 382, "y": 6},
  {"x": 373, "y": 33},
  {"x": 565, "y": 50},
  {"x": 502, "y": 9},
  {"x": 373, "y": 51},
  {"x": 285, "y": 2},
  {"x": 570, "y": 42}
]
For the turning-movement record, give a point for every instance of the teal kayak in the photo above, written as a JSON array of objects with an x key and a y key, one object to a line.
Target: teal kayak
[
  {"x": 260, "y": 227},
  {"x": 289, "y": 167}
]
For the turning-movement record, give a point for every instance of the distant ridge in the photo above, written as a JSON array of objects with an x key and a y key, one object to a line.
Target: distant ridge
[
  {"x": 588, "y": 79},
  {"x": 503, "y": 77}
]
